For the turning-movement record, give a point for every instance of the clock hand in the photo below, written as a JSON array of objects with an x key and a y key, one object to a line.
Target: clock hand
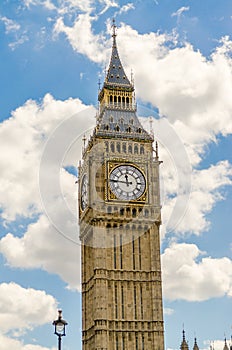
[
  {"x": 126, "y": 177},
  {"x": 122, "y": 182}
]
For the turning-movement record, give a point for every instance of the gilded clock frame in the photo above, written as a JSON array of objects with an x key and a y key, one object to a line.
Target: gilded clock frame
[{"x": 110, "y": 196}]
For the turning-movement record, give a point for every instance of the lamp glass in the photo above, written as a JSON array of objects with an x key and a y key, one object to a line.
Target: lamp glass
[{"x": 60, "y": 328}]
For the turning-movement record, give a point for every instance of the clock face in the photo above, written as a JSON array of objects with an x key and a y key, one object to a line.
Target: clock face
[
  {"x": 127, "y": 182},
  {"x": 84, "y": 192}
]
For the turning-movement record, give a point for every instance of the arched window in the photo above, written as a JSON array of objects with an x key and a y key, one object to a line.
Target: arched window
[
  {"x": 107, "y": 146},
  {"x": 118, "y": 147},
  {"x": 128, "y": 129},
  {"x": 136, "y": 150},
  {"x": 134, "y": 211},
  {"x": 127, "y": 100},
  {"x": 141, "y": 150},
  {"x": 124, "y": 147},
  {"x": 115, "y": 98},
  {"x": 122, "y": 211},
  {"x": 112, "y": 147},
  {"x": 111, "y": 98},
  {"x": 119, "y": 99},
  {"x": 129, "y": 149},
  {"x": 117, "y": 128}
]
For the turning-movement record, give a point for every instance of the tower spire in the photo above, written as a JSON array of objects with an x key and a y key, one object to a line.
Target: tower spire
[{"x": 117, "y": 106}]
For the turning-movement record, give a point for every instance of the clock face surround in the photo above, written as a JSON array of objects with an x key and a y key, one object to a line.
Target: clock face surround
[
  {"x": 127, "y": 182},
  {"x": 84, "y": 192}
]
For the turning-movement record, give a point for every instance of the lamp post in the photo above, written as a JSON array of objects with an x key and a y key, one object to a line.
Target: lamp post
[{"x": 59, "y": 328}]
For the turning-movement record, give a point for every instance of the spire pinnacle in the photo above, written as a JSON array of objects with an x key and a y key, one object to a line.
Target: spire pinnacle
[{"x": 114, "y": 27}]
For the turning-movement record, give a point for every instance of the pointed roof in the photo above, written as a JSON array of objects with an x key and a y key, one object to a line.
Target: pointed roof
[
  {"x": 195, "y": 347},
  {"x": 116, "y": 74},
  {"x": 184, "y": 344},
  {"x": 118, "y": 119},
  {"x": 225, "y": 345}
]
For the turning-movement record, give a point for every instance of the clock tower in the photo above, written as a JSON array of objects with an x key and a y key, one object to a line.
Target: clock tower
[{"x": 119, "y": 214}]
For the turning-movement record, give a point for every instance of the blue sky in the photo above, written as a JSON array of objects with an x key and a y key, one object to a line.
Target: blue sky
[{"x": 52, "y": 55}]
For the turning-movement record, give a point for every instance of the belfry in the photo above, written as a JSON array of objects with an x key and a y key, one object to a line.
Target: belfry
[{"x": 119, "y": 215}]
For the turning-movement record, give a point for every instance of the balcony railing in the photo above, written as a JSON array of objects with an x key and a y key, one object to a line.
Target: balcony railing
[{"x": 119, "y": 105}]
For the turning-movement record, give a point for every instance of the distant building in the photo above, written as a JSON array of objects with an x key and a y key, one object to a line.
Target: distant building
[{"x": 184, "y": 344}]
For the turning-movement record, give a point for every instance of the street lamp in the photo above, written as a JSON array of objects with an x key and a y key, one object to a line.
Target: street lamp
[{"x": 59, "y": 328}]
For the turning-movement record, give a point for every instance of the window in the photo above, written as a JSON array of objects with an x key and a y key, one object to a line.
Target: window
[
  {"x": 135, "y": 302},
  {"x": 136, "y": 150},
  {"x": 122, "y": 301},
  {"x": 116, "y": 300},
  {"x": 121, "y": 252},
  {"x": 141, "y": 150},
  {"x": 141, "y": 301},
  {"x": 115, "y": 252}
]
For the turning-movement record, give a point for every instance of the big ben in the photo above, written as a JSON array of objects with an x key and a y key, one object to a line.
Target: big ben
[{"x": 119, "y": 215}]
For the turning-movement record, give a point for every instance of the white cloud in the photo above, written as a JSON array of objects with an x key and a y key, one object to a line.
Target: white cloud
[
  {"x": 206, "y": 187},
  {"x": 180, "y": 11},
  {"x": 13, "y": 28},
  {"x": 10, "y": 343},
  {"x": 23, "y": 137},
  {"x": 30, "y": 252},
  {"x": 107, "y": 5},
  {"x": 187, "y": 277},
  {"x": 187, "y": 88},
  {"x": 37, "y": 142},
  {"x": 168, "y": 311},
  {"x": 82, "y": 38},
  {"x": 68, "y": 7},
  {"x": 23, "y": 309},
  {"x": 11, "y": 25},
  {"x": 127, "y": 7}
]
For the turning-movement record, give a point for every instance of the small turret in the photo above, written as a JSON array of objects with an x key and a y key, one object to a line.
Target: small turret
[
  {"x": 184, "y": 344},
  {"x": 195, "y": 346},
  {"x": 226, "y": 347}
]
